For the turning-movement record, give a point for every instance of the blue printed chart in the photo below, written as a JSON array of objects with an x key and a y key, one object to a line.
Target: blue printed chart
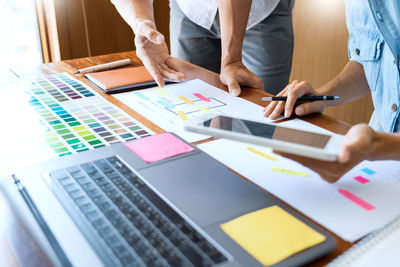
[{"x": 173, "y": 104}]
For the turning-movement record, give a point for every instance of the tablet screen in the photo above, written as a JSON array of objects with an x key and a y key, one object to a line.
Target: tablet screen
[{"x": 268, "y": 131}]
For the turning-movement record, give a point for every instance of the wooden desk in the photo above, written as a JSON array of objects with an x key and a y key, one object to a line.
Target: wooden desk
[{"x": 15, "y": 244}]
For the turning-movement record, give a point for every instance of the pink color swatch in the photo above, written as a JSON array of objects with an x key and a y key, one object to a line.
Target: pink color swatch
[
  {"x": 157, "y": 147},
  {"x": 360, "y": 202},
  {"x": 361, "y": 179},
  {"x": 201, "y": 97}
]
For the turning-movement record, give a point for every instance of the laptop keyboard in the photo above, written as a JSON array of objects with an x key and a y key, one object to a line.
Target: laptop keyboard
[{"x": 126, "y": 222}]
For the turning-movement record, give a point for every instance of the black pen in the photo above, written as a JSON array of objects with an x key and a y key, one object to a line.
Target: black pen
[
  {"x": 302, "y": 98},
  {"x": 42, "y": 223}
]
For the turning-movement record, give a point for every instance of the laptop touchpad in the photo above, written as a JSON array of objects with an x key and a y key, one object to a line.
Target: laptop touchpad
[{"x": 204, "y": 189}]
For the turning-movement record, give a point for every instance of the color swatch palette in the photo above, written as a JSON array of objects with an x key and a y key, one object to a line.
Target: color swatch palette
[
  {"x": 77, "y": 119},
  {"x": 62, "y": 87}
]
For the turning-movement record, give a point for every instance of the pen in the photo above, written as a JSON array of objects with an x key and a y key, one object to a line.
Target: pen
[
  {"x": 42, "y": 223},
  {"x": 302, "y": 98},
  {"x": 106, "y": 66}
]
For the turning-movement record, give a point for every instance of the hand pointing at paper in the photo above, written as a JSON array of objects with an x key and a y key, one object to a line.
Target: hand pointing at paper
[
  {"x": 150, "y": 44},
  {"x": 153, "y": 51}
]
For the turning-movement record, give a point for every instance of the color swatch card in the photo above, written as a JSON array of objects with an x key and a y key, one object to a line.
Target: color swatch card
[
  {"x": 77, "y": 119},
  {"x": 173, "y": 104},
  {"x": 362, "y": 200}
]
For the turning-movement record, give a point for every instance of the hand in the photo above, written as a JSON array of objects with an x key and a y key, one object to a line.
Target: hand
[
  {"x": 357, "y": 143},
  {"x": 357, "y": 146},
  {"x": 153, "y": 51},
  {"x": 235, "y": 74},
  {"x": 293, "y": 91}
]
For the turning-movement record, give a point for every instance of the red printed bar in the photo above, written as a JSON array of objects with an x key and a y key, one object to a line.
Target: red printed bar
[
  {"x": 355, "y": 199},
  {"x": 201, "y": 97}
]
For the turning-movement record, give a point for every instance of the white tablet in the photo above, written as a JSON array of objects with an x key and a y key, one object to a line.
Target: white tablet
[{"x": 289, "y": 140}]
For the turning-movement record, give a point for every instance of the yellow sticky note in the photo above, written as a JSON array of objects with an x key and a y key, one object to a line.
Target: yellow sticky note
[
  {"x": 186, "y": 100},
  {"x": 182, "y": 115},
  {"x": 271, "y": 235},
  {"x": 255, "y": 151},
  {"x": 161, "y": 91},
  {"x": 291, "y": 172}
]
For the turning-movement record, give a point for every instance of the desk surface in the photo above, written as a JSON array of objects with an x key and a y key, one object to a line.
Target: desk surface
[{"x": 15, "y": 244}]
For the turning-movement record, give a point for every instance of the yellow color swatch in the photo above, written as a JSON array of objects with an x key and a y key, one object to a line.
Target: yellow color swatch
[
  {"x": 79, "y": 128},
  {"x": 204, "y": 109},
  {"x": 161, "y": 91},
  {"x": 296, "y": 173},
  {"x": 83, "y": 133},
  {"x": 182, "y": 115},
  {"x": 50, "y": 134},
  {"x": 186, "y": 100},
  {"x": 51, "y": 139},
  {"x": 255, "y": 151},
  {"x": 271, "y": 235}
]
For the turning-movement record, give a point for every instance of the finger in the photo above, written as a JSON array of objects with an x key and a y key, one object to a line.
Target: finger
[
  {"x": 148, "y": 30},
  {"x": 177, "y": 76},
  {"x": 276, "y": 107},
  {"x": 291, "y": 98},
  {"x": 171, "y": 64},
  {"x": 169, "y": 75},
  {"x": 295, "y": 90},
  {"x": 271, "y": 106},
  {"x": 277, "y": 111},
  {"x": 154, "y": 36},
  {"x": 308, "y": 108},
  {"x": 234, "y": 88},
  {"x": 154, "y": 71},
  {"x": 344, "y": 155}
]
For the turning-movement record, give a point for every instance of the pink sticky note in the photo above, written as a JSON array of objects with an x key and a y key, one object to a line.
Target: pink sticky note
[
  {"x": 360, "y": 202},
  {"x": 361, "y": 179},
  {"x": 200, "y": 96},
  {"x": 157, "y": 147}
]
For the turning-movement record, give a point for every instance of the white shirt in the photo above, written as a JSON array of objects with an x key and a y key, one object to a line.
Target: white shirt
[{"x": 203, "y": 12}]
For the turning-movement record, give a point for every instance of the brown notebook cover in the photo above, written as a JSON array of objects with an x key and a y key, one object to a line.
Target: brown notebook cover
[{"x": 125, "y": 79}]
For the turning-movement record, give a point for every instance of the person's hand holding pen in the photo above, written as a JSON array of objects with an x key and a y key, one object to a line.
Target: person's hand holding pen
[
  {"x": 153, "y": 51},
  {"x": 293, "y": 92}
]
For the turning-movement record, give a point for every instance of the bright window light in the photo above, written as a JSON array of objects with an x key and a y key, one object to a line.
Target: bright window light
[{"x": 20, "y": 43}]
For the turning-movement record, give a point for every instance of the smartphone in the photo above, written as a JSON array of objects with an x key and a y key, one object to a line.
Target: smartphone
[{"x": 289, "y": 140}]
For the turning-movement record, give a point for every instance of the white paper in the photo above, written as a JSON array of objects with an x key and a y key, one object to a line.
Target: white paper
[
  {"x": 314, "y": 196},
  {"x": 161, "y": 107}
]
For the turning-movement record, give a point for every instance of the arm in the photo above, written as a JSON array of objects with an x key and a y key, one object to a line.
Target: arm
[
  {"x": 360, "y": 143},
  {"x": 135, "y": 12},
  {"x": 150, "y": 44},
  {"x": 233, "y": 16},
  {"x": 350, "y": 84}
]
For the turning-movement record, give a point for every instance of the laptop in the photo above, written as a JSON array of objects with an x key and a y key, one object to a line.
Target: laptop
[{"x": 108, "y": 207}]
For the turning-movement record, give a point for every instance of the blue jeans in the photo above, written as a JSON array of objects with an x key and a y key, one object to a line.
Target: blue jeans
[{"x": 267, "y": 47}]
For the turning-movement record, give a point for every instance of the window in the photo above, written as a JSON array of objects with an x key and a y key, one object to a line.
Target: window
[{"x": 19, "y": 43}]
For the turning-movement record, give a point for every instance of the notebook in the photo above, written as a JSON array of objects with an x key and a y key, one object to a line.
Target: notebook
[
  {"x": 380, "y": 248},
  {"x": 119, "y": 80}
]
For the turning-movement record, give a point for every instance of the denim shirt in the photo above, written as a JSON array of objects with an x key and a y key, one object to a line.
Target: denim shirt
[{"x": 374, "y": 42}]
